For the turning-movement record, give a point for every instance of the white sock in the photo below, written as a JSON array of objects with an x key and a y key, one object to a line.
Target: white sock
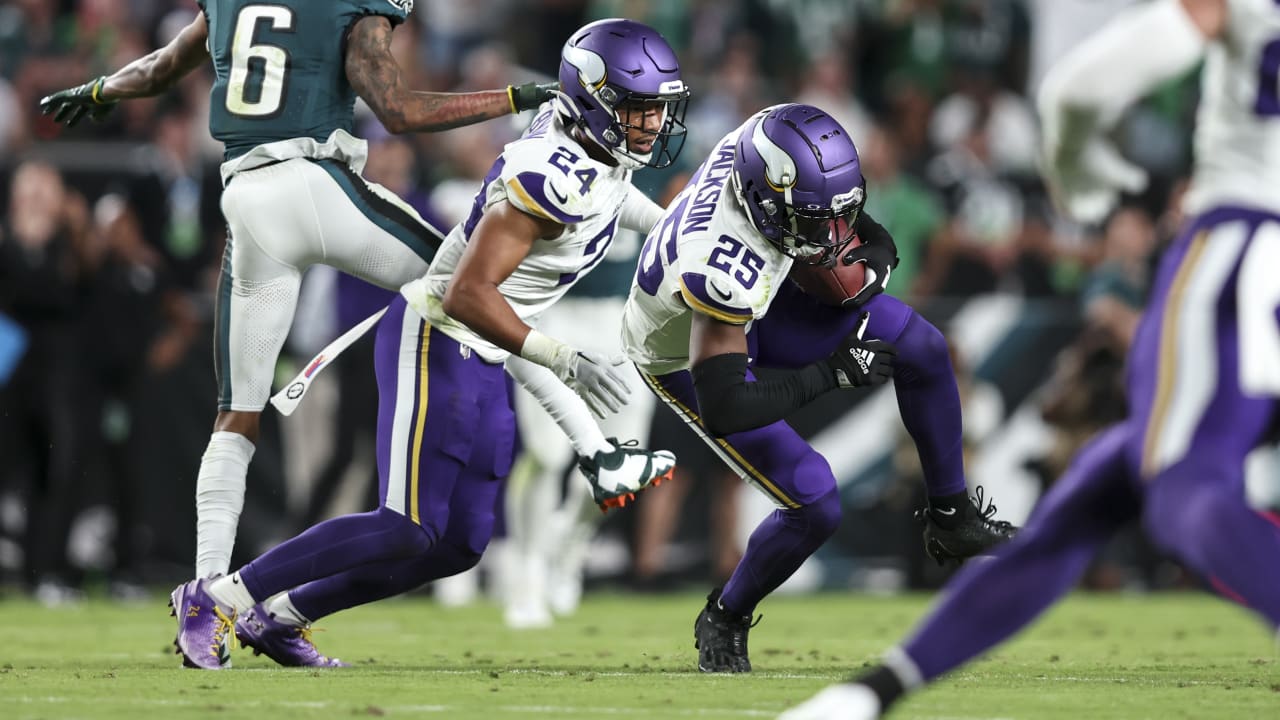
[
  {"x": 219, "y": 499},
  {"x": 281, "y": 609},
  {"x": 229, "y": 590}
]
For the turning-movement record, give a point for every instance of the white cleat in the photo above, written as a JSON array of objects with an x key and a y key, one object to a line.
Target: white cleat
[
  {"x": 617, "y": 476},
  {"x": 564, "y": 578},
  {"x": 845, "y": 701},
  {"x": 528, "y": 613}
]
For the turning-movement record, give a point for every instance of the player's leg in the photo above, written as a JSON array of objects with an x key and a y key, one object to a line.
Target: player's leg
[
  {"x": 986, "y": 603},
  {"x": 533, "y": 494},
  {"x": 366, "y": 229},
  {"x": 777, "y": 461},
  {"x": 929, "y": 403},
  {"x": 429, "y": 415},
  {"x": 1189, "y": 367},
  {"x": 270, "y": 239},
  {"x": 799, "y": 330},
  {"x": 594, "y": 323},
  {"x": 280, "y": 627}
]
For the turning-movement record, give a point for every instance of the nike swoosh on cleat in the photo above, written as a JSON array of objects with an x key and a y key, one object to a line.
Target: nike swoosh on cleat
[{"x": 948, "y": 512}]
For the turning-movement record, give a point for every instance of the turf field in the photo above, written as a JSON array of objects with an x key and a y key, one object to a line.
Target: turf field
[{"x": 1130, "y": 657}]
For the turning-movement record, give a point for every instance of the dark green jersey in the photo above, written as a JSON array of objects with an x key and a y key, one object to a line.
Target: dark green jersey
[{"x": 280, "y": 67}]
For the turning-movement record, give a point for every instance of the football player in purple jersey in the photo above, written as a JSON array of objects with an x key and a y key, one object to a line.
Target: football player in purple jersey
[
  {"x": 545, "y": 215},
  {"x": 1204, "y": 367},
  {"x": 786, "y": 188}
]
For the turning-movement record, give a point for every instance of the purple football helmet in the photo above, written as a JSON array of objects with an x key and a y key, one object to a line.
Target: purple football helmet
[
  {"x": 611, "y": 62},
  {"x": 796, "y": 172}
]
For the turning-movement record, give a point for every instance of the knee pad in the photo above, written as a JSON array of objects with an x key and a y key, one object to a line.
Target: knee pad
[
  {"x": 922, "y": 349},
  {"x": 403, "y": 536},
  {"x": 1178, "y": 502},
  {"x": 821, "y": 517}
]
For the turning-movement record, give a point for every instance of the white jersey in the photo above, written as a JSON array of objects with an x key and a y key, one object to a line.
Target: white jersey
[
  {"x": 545, "y": 173},
  {"x": 1237, "y": 137},
  {"x": 703, "y": 256}
]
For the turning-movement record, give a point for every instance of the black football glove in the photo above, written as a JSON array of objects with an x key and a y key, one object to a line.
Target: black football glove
[
  {"x": 69, "y": 106},
  {"x": 531, "y": 95},
  {"x": 877, "y": 252},
  {"x": 862, "y": 363}
]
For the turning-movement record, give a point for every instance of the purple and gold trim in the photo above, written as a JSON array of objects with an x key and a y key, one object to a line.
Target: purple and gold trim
[{"x": 696, "y": 294}]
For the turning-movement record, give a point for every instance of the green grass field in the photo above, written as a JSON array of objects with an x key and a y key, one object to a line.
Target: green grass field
[{"x": 1130, "y": 657}]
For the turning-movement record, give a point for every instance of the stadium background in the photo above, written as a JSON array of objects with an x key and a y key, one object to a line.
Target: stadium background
[{"x": 110, "y": 239}]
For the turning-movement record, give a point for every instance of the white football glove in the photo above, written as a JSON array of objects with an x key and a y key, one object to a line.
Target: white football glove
[
  {"x": 589, "y": 374},
  {"x": 592, "y": 376},
  {"x": 1085, "y": 186}
]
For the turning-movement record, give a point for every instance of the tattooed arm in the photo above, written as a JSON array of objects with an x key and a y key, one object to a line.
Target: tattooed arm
[
  {"x": 376, "y": 77},
  {"x": 155, "y": 73}
]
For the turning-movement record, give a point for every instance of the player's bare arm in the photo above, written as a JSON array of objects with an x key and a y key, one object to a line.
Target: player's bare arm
[
  {"x": 375, "y": 76},
  {"x": 500, "y": 241},
  {"x": 147, "y": 76},
  {"x": 155, "y": 73},
  {"x": 1208, "y": 15},
  {"x": 709, "y": 337}
]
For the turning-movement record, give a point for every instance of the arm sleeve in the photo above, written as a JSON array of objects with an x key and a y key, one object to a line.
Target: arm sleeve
[
  {"x": 564, "y": 406},
  {"x": 1084, "y": 92},
  {"x": 639, "y": 213},
  {"x": 729, "y": 403}
]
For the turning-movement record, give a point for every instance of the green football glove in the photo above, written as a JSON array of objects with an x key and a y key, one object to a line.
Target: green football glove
[
  {"x": 69, "y": 106},
  {"x": 530, "y": 95}
]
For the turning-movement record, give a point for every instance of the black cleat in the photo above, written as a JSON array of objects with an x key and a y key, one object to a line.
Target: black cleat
[
  {"x": 721, "y": 638},
  {"x": 972, "y": 532}
]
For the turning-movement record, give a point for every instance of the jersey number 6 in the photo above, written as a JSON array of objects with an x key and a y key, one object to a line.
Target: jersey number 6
[{"x": 258, "y": 71}]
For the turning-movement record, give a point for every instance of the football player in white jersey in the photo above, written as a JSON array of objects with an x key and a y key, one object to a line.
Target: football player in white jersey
[
  {"x": 1204, "y": 368},
  {"x": 545, "y": 215},
  {"x": 294, "y": 195},
  {"x": 784, "y": 189}
]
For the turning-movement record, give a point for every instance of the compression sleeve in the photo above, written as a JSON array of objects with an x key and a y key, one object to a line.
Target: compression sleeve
[
  {"x": 729, "y": 403},
  {"x": 1084, "y": 92},
  {"x": 639, "y": 213},
  {"x": 564, "y": 406}
]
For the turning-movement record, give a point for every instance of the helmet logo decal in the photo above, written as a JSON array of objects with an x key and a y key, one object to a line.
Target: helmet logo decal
[
  {"x": 590, "y": 66},
  {"x": 779, "y": 167}
]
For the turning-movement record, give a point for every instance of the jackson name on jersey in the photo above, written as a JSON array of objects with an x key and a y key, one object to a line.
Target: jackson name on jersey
[
  {"x": 545, "y": 173},
  {"x": 702, "y": 256}
]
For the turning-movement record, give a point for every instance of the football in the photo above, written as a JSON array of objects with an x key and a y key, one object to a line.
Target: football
[{"x": 834, "y": 286}]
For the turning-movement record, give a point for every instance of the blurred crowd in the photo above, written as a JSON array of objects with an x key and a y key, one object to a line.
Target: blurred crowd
[{"x": 111, "y": 239}]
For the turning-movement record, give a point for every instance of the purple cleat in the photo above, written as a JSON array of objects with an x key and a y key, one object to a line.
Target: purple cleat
[
  {"x": 202, "y": 626},
  {"x": 288, "y": 645}
]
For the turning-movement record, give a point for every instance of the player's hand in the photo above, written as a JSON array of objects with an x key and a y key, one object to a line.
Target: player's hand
[
  {"x": 530, "y": 96},
  {"x": 878, "y": 254},
  {"x": 862, "y": 363},
  {"x": 1086, "y": 185},
  {"x": 593, "y": 377},
  {"x": 69, "y": 106}
]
